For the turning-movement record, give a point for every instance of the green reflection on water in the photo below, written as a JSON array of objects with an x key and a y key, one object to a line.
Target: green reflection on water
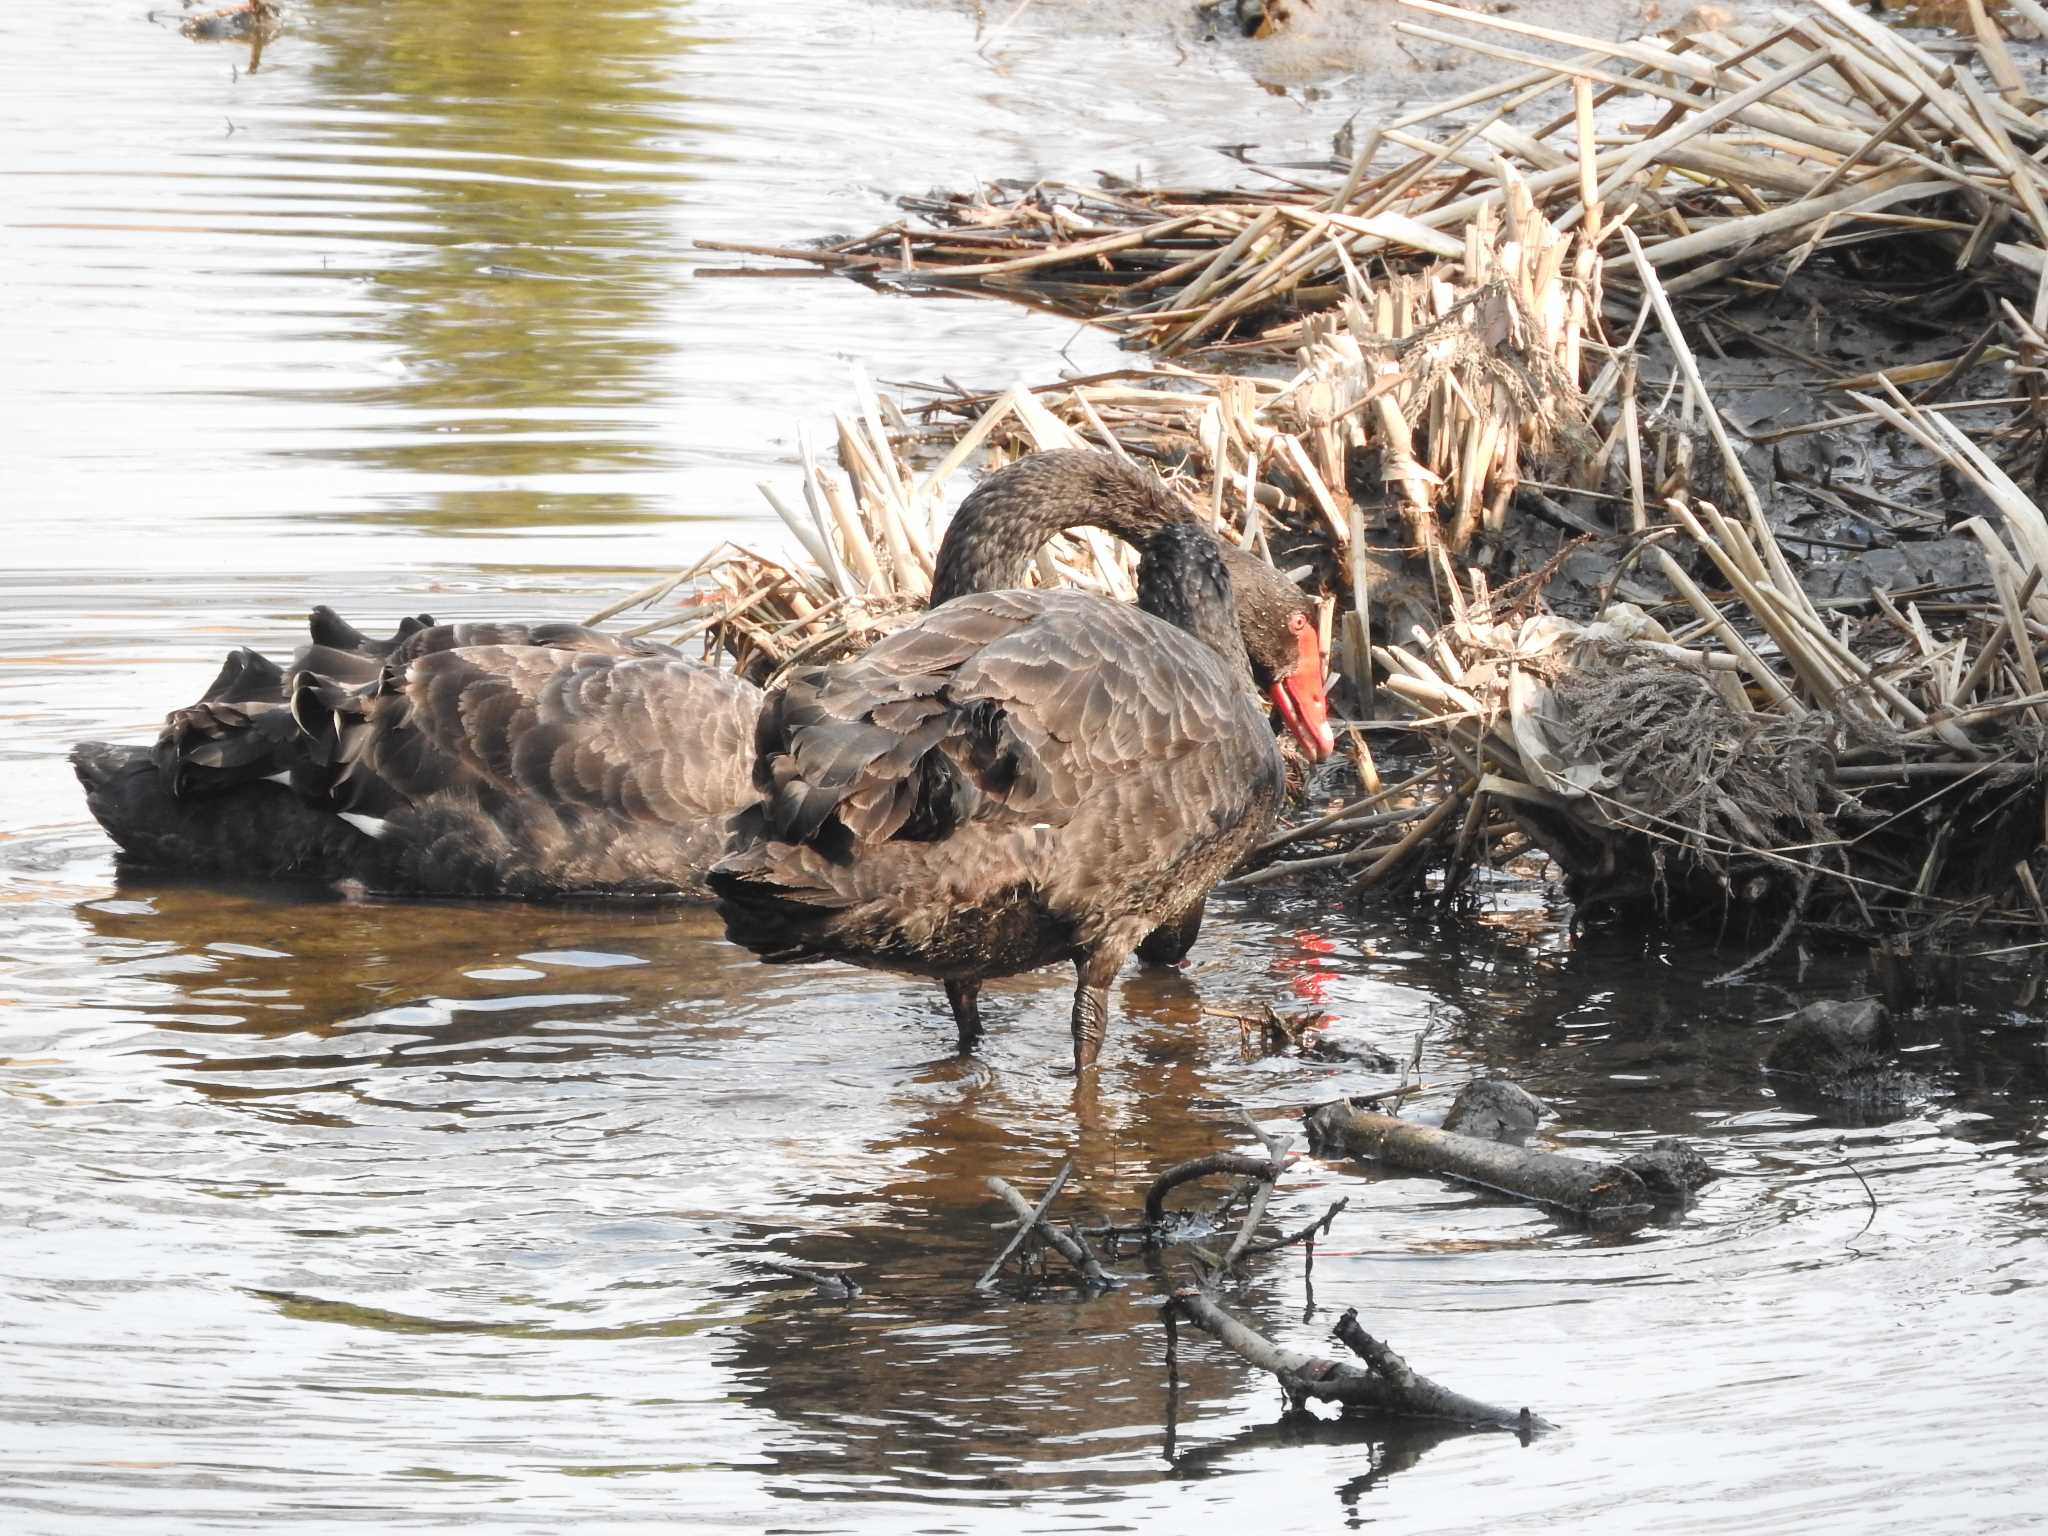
[
  {"x": 483, "y": 513},
  {"x": 546, "y": 145}
]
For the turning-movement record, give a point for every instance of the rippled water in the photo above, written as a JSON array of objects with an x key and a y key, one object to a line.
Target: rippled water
[{"x": 375, "y": 1215}]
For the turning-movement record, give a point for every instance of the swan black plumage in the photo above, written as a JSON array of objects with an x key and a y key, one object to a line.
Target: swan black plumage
[
  {"x": 1019, "y": 778},
  {"x": 534, "y": 761},
  {"x": 452, "y": 760}
]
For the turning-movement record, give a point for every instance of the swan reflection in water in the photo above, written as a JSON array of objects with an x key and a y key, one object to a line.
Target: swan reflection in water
[{"x": 552, "y": 1129}]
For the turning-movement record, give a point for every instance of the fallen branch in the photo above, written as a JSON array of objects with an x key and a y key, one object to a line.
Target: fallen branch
[
  {"x": 1425, "y": 1398},
  {"x": 1549, "y": 1178},
  {"x": 1386, "y": 1385},
  {"x": 838, "y": 1285}
]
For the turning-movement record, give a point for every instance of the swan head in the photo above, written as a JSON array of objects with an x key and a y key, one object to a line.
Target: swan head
[{"x": 1244, "y": 609}]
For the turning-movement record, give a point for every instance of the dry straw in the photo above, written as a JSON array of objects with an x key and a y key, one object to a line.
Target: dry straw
[{"x": 1401, "y": 352}]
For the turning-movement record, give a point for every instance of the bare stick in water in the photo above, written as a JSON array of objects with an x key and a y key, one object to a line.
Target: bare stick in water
[{"x": 1385, "y": 1385}]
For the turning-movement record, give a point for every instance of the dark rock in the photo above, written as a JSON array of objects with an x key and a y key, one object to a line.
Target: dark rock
[
  {"x": 1832, "y": 1037},
  {"x": 1841, "y": 1052},
  {"x": 1671, "y": 1170},
  {"x": 1494, "y": 1109}
]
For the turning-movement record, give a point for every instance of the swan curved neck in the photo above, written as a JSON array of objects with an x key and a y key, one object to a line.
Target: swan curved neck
[
  {"x": 1182, "y": 578},
  {"x": 1000, "y": 526}
]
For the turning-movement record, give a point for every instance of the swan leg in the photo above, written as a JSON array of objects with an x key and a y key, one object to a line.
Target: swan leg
[
  {"x": 1169, "y": 943},
  {"x": 965, "y": 996},
  {"x": 1092, "y": 975}
]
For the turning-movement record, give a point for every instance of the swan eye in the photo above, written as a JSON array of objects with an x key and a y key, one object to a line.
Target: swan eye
[{"x": 1297, "y": 623}]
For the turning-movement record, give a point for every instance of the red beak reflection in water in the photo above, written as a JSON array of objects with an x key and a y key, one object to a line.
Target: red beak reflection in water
[
  {"x": 1308, "y": 963},
  {"x": 1299, "y": 695}
]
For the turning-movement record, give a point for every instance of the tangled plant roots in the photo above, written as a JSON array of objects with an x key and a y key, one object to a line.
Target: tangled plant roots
[{"x": 1717, "y": 785}]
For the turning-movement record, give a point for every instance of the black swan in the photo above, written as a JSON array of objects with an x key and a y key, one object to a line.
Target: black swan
[
  {"x": 452, "y": 760},
  {"x": 1018, "y": 778},
  {"x": 535, "y": 761}
]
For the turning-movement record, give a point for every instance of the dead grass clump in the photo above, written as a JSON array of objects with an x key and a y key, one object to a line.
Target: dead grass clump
[{"x": 1687, "y": 769}]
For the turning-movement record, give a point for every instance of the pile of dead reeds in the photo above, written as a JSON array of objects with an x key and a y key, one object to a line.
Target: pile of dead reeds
[
  {"x": 1742, "y": 147},
  {"x": 1449, "y": 381},
  {"x": 1752, "y": 759},
  {"x": 1441, "y": 316},
  {"x": 868, "y": 531},
  {"x": 1432, "y": 331}
]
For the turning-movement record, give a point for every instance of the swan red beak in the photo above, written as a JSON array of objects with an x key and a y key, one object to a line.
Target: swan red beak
[{"x": 1299, "y": 695}]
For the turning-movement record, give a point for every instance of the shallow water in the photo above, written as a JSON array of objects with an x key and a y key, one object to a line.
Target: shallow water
[{"x": 376, "y": 1215}]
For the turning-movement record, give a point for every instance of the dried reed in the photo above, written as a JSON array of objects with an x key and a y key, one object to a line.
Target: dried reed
[{"x": 1398, "y": 354}]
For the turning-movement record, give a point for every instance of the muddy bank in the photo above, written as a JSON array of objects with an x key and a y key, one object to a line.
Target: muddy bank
[{"x": 1303, "y": 44}]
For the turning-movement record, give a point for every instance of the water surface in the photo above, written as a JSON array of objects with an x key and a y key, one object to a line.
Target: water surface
[{"x": 367, "y": 1215}]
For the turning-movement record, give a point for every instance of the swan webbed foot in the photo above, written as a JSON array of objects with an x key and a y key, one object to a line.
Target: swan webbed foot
[{"x": 965, "y": 997}]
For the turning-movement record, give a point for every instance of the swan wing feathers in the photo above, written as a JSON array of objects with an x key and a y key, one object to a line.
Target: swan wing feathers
[
  {"x": 642, "y": 737},
  {"x": 238, "y": 729},
  {"x": 1002, "y": 707},
  {"x": 553, "y": 637},
  {"x": 419, "y": 635}
]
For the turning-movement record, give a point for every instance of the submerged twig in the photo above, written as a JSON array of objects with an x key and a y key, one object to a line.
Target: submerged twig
[
  {"x": 1201, "y": 1168},
  {"x": 1027, "y": 1224},
  {"x": 1069, "y": 1247},
  {"x": 1306, "y": 1235}
]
